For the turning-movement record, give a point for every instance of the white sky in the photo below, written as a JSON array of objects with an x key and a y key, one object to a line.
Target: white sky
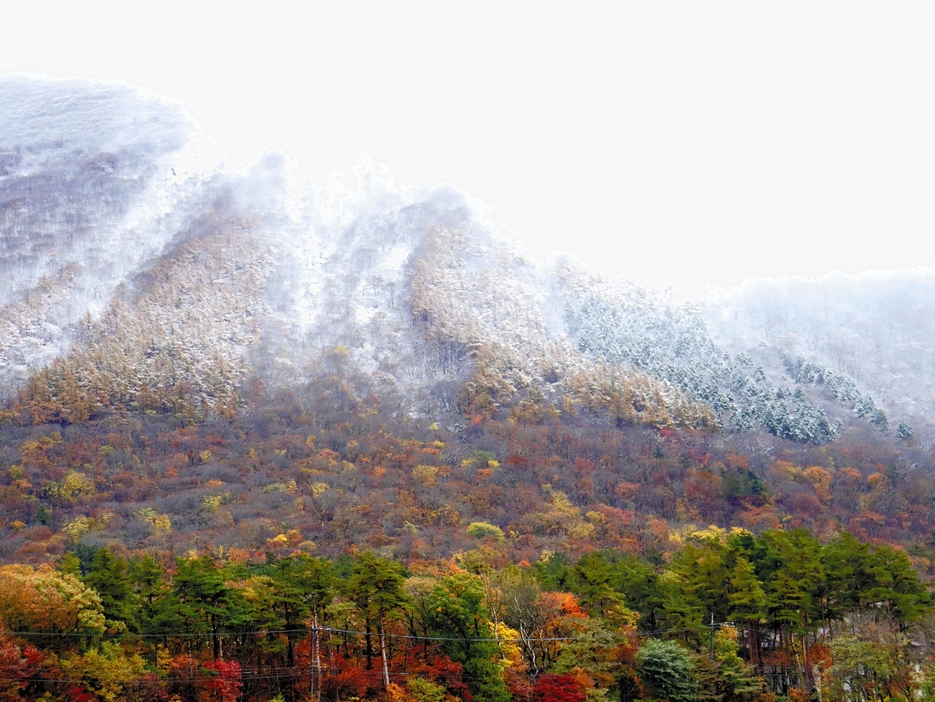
[{"x": 688, "y": 143}]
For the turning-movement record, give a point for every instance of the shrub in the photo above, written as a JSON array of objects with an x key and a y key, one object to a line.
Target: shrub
[{"x": 479, "y": 530}]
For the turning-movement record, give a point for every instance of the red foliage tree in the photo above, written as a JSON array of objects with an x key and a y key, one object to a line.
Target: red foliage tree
[
  {"x": 224, "y": 685},
  {"x": 19, "y": 664},
  {"x": 557, "y": 688}
]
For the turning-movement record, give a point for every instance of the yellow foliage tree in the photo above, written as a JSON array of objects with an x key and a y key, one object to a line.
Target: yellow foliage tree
[
  {"x": 43, "y": 600},
  {"x": 107, "y": 670}
]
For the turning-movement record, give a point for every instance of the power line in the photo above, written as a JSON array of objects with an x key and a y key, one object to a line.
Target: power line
[
  {"x": 161, "y": 635},
  {"x": 452, "y": 638},
  {"x": 252, "y": 674},
  {"x": 249, "y": 675},
  {"x": 289, "y": 672},
  {"x": 333, "y": 630}
]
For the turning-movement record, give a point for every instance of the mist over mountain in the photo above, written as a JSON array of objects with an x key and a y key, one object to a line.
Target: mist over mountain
[
  {"x": 132, "y": 279},
  {"x": 876, "y": 328}
]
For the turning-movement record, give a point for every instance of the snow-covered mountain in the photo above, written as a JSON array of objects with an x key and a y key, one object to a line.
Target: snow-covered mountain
[
  {"x": 877, "y": 329},
  {"x": 132, "y": 278}
]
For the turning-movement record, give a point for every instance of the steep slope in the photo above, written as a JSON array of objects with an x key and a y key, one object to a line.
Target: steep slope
[
  {"x": 85, "y": 198},
  {"x": 409, "y": 292},
  {"x": 128, "y": 285},
  {"x": 875, "y": 329},
  {"x": 173, "y": 345}
]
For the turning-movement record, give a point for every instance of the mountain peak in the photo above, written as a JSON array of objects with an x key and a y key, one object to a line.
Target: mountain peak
[{"x": 128, "y": 285}]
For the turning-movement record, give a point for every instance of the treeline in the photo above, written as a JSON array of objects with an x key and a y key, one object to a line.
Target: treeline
[
  {"x": 289, "y": 475},
  {"x": 795, "y": 607},
  {"x": 731, "y": 616},
  {"x": 673, "y": 345}
]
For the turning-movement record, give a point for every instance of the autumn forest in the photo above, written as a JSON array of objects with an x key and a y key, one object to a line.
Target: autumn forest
[
  {"x": 261, "y": 440},
  {"x": 336, "y": 551}
]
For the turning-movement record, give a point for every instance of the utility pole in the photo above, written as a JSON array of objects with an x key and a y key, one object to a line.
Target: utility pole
[
  {"x": 713, "y": 626},
  {"x": 314, "y": 666}
]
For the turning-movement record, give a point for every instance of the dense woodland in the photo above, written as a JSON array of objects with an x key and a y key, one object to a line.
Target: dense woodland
[
  {"x": 489, "y": 478},
  {"x": 730, "y": 616},
  {"x": 334, "y": 548}
]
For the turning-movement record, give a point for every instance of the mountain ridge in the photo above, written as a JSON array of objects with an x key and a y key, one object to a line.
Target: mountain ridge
[{"x": 167, "y": 293}]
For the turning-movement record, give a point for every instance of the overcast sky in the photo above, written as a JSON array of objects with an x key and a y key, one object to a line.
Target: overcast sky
[{"x": 692, "y": 144}]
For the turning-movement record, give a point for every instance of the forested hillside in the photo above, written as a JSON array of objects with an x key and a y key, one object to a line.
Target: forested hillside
[
  {"x": 730, "y": 616},
  {"x": 874, "y": 328},
  {"x": 532, "y": 553},
  {"x": 257, "y": 444},
  {"x": 132, "y": 278}
]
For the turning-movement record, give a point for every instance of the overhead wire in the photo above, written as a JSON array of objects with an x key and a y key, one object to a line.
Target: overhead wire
[
  {"x": 253, "y": 674},
  {"x": 323, "y": 629}
]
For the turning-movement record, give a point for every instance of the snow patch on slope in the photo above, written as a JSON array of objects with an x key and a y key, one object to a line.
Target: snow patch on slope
[
  {"x": 877, "y": 328},
  {"x": 84, "y": 201}
]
